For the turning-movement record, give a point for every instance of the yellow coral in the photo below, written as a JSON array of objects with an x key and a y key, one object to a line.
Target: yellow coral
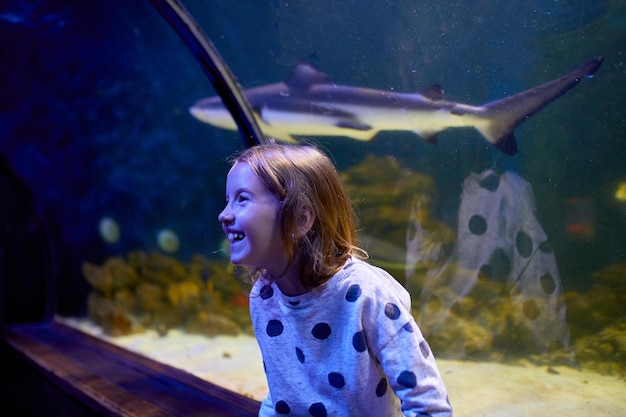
[
  {"x": 149, "y": 296},
  {"x": 184, "y": 294},
  {"x": 385, "y": 193},
  {"x": 113, "y": 274},
  {"x": 160, "y": 292}
]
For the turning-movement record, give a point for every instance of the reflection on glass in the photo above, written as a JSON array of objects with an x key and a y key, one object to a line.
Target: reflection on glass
[
  {"x": 129, "y": 184},
  {"x": 502, "y": 278}
]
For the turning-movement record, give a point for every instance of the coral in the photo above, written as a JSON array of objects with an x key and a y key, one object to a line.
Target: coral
[
  {"x": 114, "y": 274},
  {"x": 383, "y": 192},
  {"x": 604, "y": 352},
  {"x": 185, "y": 294},
  {"x": 115, "y": 320},
  {"x": 613, "y": 276},
  {"x": 487, "y": 324},
  {"x": 158, "y": 291},
  {"x": 598, "y": 322},
  {"x": 156, "y": 267},
  {"x": 387, "y": 197},
  {"x": 463, "y": 338},
  {"x": 150, "y": 296}
]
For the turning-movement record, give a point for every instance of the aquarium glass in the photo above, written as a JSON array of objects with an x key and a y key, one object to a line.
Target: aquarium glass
[{"x": 513, "y": 250}]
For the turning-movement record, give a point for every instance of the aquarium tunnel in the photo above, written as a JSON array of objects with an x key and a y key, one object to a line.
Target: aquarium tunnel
[{"x": 481, "y": 142}]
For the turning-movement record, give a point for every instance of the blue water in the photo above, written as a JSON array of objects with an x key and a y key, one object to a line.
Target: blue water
[{"x": 94, "y": 120}]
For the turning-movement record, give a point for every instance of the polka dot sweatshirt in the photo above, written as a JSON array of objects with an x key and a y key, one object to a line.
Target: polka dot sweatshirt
[{"x": 348, "y": 348}]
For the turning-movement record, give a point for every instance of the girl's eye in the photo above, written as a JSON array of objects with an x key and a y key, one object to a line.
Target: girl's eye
[{"x": 242, "y": 198}]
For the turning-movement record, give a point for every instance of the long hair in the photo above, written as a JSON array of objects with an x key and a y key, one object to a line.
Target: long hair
[{"x": 304, "y": 179}]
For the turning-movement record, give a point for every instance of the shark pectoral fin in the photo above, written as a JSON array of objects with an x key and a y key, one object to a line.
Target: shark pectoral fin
[
  {"x": 354, "y": 125},
  {"x": 428, "y": 136}
]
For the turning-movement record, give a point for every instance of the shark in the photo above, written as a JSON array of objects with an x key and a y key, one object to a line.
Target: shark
[{"x": 307, "y": 103}]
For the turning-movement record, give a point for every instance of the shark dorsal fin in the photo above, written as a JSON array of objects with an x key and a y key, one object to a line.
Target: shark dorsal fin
[
  {"x": 304, "y": 76},
  {"x": 434, "y": 92}
]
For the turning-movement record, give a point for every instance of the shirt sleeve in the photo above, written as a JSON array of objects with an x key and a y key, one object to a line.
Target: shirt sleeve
[
  {"x": 403, "y": 354},
  {"x": 412, "y": 373}
]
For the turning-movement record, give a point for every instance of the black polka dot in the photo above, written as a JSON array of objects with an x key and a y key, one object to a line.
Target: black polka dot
[
  {"x": 317, "y": 410},
  {"x": 409, "y": 327},
  {"x": 267, "y": 292},
  {"x": 336, "y": 380},
  {"x": 300, "y": 355},
  {"x": 358, "y": 342},
  {"x": 547, "y": 283},
  {"x": 490, "y": 183},
  {"x": 424, "y": 349},
  {"x": 274, "y": 328},
  {"x": 545, "y": 247},
  {"x": 321, "y": 331},
  {"x": 353, "y": 293},
  {"x": 531, "y": 309},
  {"x": 407, "y": 379},
  {"x": 282, "y": 407},
  {"x": 381, "y": 388},
  {"x": 524, "y": 244},
  {"x": 392, "y": 311},
  {"x": 477, "y": 225}
]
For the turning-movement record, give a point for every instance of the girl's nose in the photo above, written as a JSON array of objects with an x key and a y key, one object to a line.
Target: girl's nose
[{"x": 225, "y": 216}]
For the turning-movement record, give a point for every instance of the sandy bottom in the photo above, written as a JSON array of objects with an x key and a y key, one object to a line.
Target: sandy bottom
[{"x": 475, "y": 388}]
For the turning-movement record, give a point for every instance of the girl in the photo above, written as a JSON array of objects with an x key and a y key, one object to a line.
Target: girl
[{"x": 336, "y": 334}]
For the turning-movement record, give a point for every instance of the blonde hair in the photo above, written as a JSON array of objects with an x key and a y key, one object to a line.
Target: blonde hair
[{"x": 304, "y": 179}]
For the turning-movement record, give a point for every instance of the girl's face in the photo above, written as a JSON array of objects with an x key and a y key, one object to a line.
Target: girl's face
[{"x": 250, "y": 221}]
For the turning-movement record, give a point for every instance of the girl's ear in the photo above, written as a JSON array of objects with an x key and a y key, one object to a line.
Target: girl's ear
[{"x": 306, "y": 220}]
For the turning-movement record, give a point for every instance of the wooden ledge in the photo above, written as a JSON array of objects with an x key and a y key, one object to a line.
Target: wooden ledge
[{"x": 113, "y": 381}]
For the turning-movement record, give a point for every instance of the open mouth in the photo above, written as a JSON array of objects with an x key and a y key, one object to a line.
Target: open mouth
[{"x": 235, "y": 236}]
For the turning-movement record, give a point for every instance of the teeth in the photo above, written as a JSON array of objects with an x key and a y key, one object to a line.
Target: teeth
[{"x": 235, "y": 236}]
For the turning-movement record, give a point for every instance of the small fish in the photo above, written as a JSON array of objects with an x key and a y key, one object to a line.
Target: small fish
[
  {"x": 308, "y": 103},
  {"x": 580, "y": 219}
]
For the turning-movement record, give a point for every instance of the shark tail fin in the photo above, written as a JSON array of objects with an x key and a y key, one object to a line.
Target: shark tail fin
[{"x": 503, "y": 116}]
